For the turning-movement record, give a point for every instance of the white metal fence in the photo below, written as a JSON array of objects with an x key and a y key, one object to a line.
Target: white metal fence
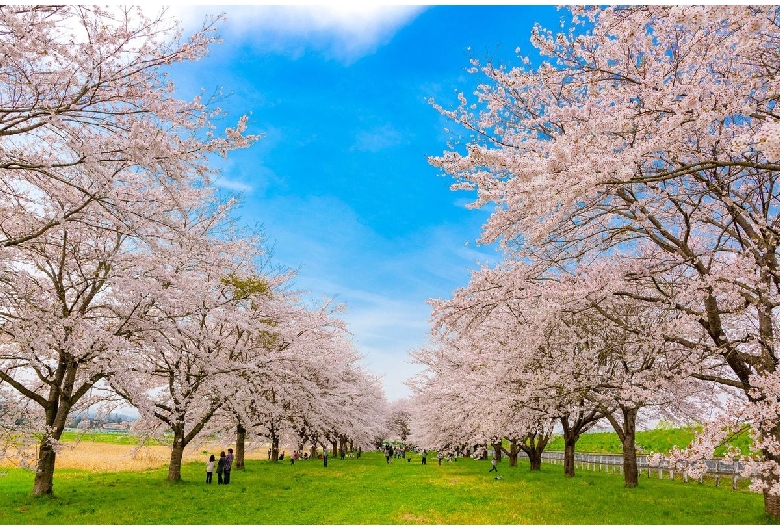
[{"x": 717, "y": 469}]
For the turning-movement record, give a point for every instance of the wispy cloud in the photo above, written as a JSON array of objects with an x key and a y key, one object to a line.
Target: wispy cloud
[
  {"x": 378, "y": 139},
  {"x": 384, "y": 282},
  {"x": 233, "y": 185},
  {"x": 342, "y": 32}
]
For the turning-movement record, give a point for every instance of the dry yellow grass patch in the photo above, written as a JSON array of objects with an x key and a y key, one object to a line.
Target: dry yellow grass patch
[{"x": 95, "y": 456}]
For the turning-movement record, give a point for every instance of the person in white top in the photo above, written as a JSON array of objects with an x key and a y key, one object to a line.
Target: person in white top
[{"x": 210, "y": 469}]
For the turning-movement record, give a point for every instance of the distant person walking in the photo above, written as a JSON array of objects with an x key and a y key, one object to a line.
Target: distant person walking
[
  {"x": 424, "y": 457},
  {"x": 210, "y": 469},
  {"x": 228, "y": 465},
  {"x": 494, "y": 468},
  {"x": 440, "y": 456},
  {"x": 325, "y": 456},
  {"x": 221, "y": 467}
]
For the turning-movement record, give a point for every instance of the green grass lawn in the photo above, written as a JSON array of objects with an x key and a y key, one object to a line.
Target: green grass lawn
[{"x": 369, "y": 491}]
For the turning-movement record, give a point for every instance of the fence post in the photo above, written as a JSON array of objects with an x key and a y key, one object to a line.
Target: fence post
[{"x": 717, "y": 473}]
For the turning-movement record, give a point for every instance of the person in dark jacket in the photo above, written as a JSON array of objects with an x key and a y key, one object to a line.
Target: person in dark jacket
[{"x": 221, "y": 467}]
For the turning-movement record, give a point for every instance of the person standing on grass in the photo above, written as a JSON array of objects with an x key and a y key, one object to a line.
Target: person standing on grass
[
  {"x": 325, "y": 456},
  {"x": 221, "y": 467},
  {"x": 494, "y": 468},
  {"x": 210, "y": 469},
  {"x": 228, "y": 465},
  {"x": 440, "y": 456},
  {"x": 424, "y": 457}
]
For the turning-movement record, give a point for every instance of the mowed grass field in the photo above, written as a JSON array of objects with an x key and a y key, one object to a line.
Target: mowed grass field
[{"x": 369, "y": 491}]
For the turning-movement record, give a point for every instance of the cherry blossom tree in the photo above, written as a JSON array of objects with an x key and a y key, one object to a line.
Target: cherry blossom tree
[
  {"x": 439, "y": 417},
  {"x": 466, "y": 395},
  {"x": 59, "y": 328},
  {"x": 399, "y": 420},
  {"x": 187, "y": 348},
  {"x": 97, "y": 161},
  {"x": 655, "y": 126},
  {"x": 565, "y": 348},
  {"x": 306, "y": 384},
  {"x": 89, "y": 119}
]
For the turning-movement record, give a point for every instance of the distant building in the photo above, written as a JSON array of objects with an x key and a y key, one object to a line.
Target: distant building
[{"x": 123, "y": 426}]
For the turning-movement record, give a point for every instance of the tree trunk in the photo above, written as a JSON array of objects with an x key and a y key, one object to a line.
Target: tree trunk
[
  {"x": 626, "y": 431},
  {"x": 177, "y": 451},
  {"x": 498, "y": 450},
  {"x": 514, "y": 450},
  {"x": 569, "y": 442},
  {"x": 274, "y": 448},
  {"x": 335, "y": 445},
  {"x": 630, "y": 467},
  {"x": 772, "y": 502},
  {"x": 772, "y": 505},
  {"x": 44, "y": 471},
  {"x": 533, "y": 445},
  {"x": 573, "y": 426},
  {"x": 56, "y": 412},
  {"x": 240, "y": 441},
  {"x": 536, "y": 460}
]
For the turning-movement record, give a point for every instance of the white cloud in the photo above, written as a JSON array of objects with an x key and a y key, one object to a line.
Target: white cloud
[
  {"x": 378, "y": 139},
  {"x": 233, "y": 185},
  {"x": 344, "y": 32}
]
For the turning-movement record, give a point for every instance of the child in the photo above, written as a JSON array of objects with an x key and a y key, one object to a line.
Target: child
[
  {"x": 210, "y": 469},
  {"x": 494, "y": 468}
]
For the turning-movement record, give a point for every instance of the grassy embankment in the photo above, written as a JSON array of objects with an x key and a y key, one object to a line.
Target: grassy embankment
[
  {"x": 657, "y": 441},
  {"x": 368, "y": 491}
]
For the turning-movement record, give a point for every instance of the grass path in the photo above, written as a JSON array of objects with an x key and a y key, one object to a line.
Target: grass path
[{"x": 369, "y": 491}]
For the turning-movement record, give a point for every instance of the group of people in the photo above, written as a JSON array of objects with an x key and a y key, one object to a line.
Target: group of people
[
  {"x": 449, "y": 455},
  {"x": 298, "y": 456},
  {"x": 397, "y": 452},
  {"x": 225, "y": 462},
  {"x": 223, "y": 465}
]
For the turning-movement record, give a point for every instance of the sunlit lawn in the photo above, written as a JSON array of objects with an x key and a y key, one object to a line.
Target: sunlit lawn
[{"x": 369, "y": 491}]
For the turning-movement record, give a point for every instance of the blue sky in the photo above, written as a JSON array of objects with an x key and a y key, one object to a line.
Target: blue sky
[{"x": 340, "y": 182}]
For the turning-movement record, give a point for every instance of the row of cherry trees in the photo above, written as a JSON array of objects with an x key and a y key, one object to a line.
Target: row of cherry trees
[
  {"x": 633, "y": 177},
  {"x": 123, "y": 276}
]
